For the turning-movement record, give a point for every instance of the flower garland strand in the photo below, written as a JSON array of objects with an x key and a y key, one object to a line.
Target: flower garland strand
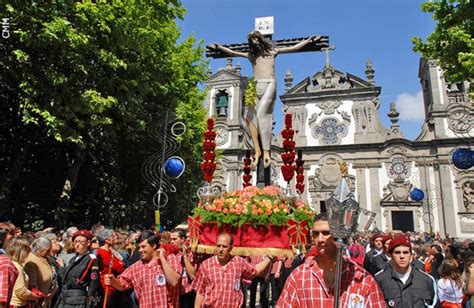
[
  {"x": 300, "y": 173},
  {"x": 208, "y": 165},
  {"x": 288, "y": 155},
  {"x": 247, "y": 177}
]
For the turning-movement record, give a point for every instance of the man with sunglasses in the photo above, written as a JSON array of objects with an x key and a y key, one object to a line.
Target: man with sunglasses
[
  {"x": 404, "y": 285},
  {"x": 312, "y": 283}
]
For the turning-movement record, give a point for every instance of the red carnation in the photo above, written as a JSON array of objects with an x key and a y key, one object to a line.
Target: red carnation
[
  {"x": 287, "y": 133},
  {"x": 209, "y": 155},
  {"x": 288, "y": 120},
  {"x": 300, "y": 187},
  {"x": 300, "y": 178},
  {"x": 210, "y": 123},
  {"x": 209, "y": 135},
  {"x": 209, "y": 145},
  {"x": 247, "y": 169}
]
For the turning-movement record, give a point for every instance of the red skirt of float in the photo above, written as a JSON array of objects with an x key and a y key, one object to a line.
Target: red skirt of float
[{"x": 280, "y": 241}]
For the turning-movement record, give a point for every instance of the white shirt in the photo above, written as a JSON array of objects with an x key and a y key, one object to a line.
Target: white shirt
[{"x": 449, "y": 291}]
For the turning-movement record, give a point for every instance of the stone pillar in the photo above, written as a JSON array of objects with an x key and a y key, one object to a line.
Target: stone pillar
[
  {"x": 375, "y": 192},
  {"x": 447, "y": 214}
]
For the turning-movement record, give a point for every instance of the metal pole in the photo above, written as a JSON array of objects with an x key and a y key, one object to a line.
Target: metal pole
[{"x": 337, "y": 282}]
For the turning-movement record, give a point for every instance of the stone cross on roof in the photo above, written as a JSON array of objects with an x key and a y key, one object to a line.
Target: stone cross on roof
[{"x": 327, "y": 49}]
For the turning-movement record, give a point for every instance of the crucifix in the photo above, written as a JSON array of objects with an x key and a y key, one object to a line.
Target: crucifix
[{"x": 261, "y": 51}]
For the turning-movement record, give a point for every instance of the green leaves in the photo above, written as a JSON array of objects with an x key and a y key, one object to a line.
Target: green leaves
[
  {"x": 451, "y": 43},
  {"x": 94, "y": 75}
]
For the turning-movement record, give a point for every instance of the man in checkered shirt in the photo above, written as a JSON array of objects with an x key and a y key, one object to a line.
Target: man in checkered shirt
[
  {"x": 312, "y": 283},
  {"x": 218, "y": 281},
  {"x": 149, "y": 277}
]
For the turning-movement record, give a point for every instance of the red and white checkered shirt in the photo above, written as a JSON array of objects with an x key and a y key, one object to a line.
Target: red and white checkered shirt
[
  {"x": 305, "y": 287},
  {"x": 8, "y": 275},
  {"x": 149, "y": 282},
  {"x": 276, "y": 267},
  {"x": 185, "y": 279},
  {"x": 221, "y": 285},
  {"x": 173, "y": 292}
]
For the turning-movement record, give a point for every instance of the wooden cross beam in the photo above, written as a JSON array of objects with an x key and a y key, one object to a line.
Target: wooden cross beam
[{"x": 319, "y": 45}]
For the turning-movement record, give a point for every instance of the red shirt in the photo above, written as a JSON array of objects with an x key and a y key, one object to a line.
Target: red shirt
[
  {"x": 221, "y": 285},
  {"x": 8, "y": 275},
  {"x": 149, "y": 282},
  {"x": 185, "y": 279},
  {"x": 173, "y": 292},
  {"x": 103, "y": 255},
  {"x": 305, "y": 287}
]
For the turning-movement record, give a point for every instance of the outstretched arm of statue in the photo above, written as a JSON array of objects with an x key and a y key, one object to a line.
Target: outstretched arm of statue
[
  {"x": 229, "y": 51},
  {"x": 300, "y": 45}
]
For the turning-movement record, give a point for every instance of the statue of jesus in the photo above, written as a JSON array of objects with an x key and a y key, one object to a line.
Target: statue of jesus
[{"x": 262, "y": 56}]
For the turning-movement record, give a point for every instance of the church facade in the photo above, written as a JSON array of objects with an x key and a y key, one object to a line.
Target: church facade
[{"x": 336, "y": 119}]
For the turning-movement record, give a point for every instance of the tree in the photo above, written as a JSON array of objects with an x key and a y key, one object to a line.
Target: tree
[
  {"x": 84, "y": 80},
  {"x": 451, "y": 43}
]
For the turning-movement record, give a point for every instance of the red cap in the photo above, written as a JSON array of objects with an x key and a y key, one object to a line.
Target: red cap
[
  {"x": 386, "y": 238},
  {"x": 376, "y": 235},
  {"x": 399, "y": 240},
  {"x": 85, "y": 233}
]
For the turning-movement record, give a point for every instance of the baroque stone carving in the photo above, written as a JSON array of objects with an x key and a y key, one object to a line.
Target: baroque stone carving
[
  {"x": 328, "y": 175},
  {"x": 397, "y": 190},
  {"x": 330, "y": 131},
  {"x": 468, "y": 195},
  {"x": 329, "y": 106},
  {"x": 364, "y": 115},
  {"x": 398, "y": 168}
]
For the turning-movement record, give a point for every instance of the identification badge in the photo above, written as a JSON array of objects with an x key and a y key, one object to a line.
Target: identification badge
[
  {"x": 237, "y": 285},
  {"x": 391, "y": 303},
  {"x": 356, "y": 300},
  {"x": 160, "y": 280}
]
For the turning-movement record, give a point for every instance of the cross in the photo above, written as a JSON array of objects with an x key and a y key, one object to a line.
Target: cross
[
  {"x": 320, "y": 45},
  {"x": 261, "y": 51},
  {"x": 327, "y": 49}
]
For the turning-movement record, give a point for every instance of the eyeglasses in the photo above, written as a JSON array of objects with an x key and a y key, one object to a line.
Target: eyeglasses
[{"x": 324, "y": 232}]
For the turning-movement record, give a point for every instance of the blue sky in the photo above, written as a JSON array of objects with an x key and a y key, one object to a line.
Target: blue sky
[{"x": 360, "y": 30}]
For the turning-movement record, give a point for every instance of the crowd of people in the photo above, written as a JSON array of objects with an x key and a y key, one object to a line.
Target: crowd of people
[{"x": 102, "y": 267}]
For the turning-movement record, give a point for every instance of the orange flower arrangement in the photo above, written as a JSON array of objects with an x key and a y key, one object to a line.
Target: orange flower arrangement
[{"x": 253, "y": 205}]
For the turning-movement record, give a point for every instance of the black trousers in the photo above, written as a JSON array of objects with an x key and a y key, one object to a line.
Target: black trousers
[
  {"x": 263, "y": 292},
  {"x": 186, "y": 300}
]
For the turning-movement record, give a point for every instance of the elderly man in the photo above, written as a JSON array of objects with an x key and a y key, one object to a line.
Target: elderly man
[
  {"x": 402, "y": 284},
  {"x": 148, "y": 277},
  {"x": 110, "y": 261},
  {"x": 312, "y": 283},
  {"x": 219, "y": 279}
]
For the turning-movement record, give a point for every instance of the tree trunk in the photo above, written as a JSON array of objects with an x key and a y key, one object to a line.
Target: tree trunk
[{"x": 74, "y": 165}]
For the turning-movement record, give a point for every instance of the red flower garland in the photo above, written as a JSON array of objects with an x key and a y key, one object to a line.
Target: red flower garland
[
  {"x": 247, "y": 169},
  {"x": 300, "y": 173},
  {"x": 288, "y": 156},
  {"x": 208, "y": 165}
]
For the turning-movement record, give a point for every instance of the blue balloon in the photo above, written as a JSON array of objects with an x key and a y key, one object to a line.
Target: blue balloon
[
  {"x": 463, "y": 158},
  {"x": 417, "y": 195},
  {"x": 174, "y": 167}
]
